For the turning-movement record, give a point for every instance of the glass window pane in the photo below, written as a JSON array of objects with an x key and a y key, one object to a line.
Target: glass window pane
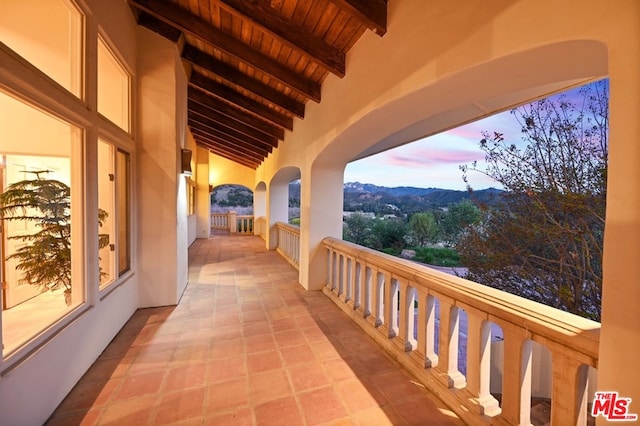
[
  {"x": 106, "y": 212},
  {"x": 47, "y": 33},
  {"x": 113, "y": 87},
  {"x": 40, "y": 159},
  {"x": 122, "y": 191}
]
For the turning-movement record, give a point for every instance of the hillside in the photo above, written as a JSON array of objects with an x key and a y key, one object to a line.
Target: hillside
[{"x": 369, "y": 198}]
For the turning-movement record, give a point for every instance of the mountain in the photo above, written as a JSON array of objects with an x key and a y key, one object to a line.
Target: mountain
[
  {"x": 397, "y": 191},
  {"x": 366, "y": 197},
  {"x": 403, "y": 199}
]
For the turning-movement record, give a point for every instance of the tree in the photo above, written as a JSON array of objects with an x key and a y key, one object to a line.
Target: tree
[
  {"x": 357, "y": 229},
  {"x": 458, "y": 218},
  {"x": 544, "y": 240},
  {"x": 45, "y": 259},
  {"x": 388, "y": 234},
  {"x": 423, "y": 228}
]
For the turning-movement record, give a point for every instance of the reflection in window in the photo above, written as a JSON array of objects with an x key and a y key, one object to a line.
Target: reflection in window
[
  {"x": 113, "y": 212},
  {"x": 23, "y": 26},
  {"x": 123, "y": 203},
  {"x": 106, "y": 195},
  {"x": 113, "y": 87},
  {"x": 39, "y": 160}
]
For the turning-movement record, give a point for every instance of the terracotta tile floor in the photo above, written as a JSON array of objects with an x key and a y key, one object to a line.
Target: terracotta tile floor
[{"x": 246, "y": 345}]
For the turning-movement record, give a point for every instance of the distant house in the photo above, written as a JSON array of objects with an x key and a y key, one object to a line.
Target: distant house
[{"x": 369, "y": 215}]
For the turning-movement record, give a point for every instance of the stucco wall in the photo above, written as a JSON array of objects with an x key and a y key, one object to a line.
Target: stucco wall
[{"x": 162, "y": 227}]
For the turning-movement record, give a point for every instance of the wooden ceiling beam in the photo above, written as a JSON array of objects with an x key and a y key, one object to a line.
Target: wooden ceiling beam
[
  {"x": 202, "y": 126},
  {"x": 182, "y": 19},
  {"x": 225, "y": 146},
  {"x": 210, "y": 102},
  {"x": 229, "y": 156},
  {"x": 231, "y": 75},
  {"x": 372, "y": 13},
  {"x": 225, "y": 121},
  {"x": 236, "y": 139},
  {"x": 227, "y": 94},
  {"x": 220, "y": 148},
  {"x": 266, "y": 19},
  {"x": 157, "y": 26}
]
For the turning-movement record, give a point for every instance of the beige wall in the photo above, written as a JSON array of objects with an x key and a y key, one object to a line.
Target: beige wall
[{"x": 226, "y": 172}]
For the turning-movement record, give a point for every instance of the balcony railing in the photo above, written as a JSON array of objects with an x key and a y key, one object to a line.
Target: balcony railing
[
  {"x": 289, "y": 243},
  {"x": 395, "y": 302},
  {"x": 220, "y": 221},
  {"x": 232, "y": 222}
]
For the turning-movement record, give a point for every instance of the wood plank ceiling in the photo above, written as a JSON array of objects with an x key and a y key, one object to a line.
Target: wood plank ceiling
[{"x": 254, "y": 64}]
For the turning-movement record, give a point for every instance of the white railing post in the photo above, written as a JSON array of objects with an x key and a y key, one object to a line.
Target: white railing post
[
  {"x": 232, "y": 222},
  {"x": 449, "y": 337},
  {"x": 407, "y": 316},
  {"x": 569, "y": 407},
  {"x": 377, "y": 298},
  {"x": 367, "y": 291},
  {"x": 390, "y": 316},
  {"x": 419, "y": 354},
  {"x": 516, "y": 380},
  {"x": 479, "y": 362},
  {"x": 432, "y": 358}
]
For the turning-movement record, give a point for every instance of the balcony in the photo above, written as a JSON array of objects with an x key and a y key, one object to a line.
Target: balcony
[{"x": 247, "y": 345}]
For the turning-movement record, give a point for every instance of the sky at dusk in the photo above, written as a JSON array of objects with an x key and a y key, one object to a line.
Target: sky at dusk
[{"x": 434, "y": 161}]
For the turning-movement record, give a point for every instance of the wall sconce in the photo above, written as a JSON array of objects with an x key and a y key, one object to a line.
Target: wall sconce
[{"x": 185, "y": 167}]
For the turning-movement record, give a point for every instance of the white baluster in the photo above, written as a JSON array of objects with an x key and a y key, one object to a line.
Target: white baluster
[
  {"x": 516, "y": 379},
  {"x": 407, "y": 316},
  {"x": 449, "y": 337},
  {"x": 479, "y": 362},
  {"x": 569, "y": 397}
]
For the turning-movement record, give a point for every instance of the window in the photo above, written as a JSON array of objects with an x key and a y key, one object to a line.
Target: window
[
  {"x": 42, "y": 246},
  {"x": 47, "y": 33},
  {"x": 113, "y": 87},
  {"x": 113, "y": 212}
]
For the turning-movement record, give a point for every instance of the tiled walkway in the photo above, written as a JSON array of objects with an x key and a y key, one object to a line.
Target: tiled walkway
[{"x": 246, "y": 346}]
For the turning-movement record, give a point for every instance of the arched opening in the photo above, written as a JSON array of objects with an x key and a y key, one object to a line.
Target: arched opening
[
  {"x": 358, "y": 141},
  {"x": 232, "y": 210}
]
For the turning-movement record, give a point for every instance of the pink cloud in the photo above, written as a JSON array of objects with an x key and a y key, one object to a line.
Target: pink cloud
[
  {"x": 426, "y": 156},
  {"x": 471, "y": 131}
]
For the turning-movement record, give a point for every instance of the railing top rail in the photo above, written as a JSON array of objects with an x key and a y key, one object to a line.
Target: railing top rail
[
  {"x": 291, "y": 228},
  {"x": 568, "y": 329},
  {"x": 244, "y": 216}
]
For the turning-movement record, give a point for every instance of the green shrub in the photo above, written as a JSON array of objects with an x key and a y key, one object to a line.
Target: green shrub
[{"x": 437, "y": 256}]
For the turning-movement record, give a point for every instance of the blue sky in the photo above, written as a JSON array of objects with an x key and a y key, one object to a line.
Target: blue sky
[{"x": 434, "y": 161}]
